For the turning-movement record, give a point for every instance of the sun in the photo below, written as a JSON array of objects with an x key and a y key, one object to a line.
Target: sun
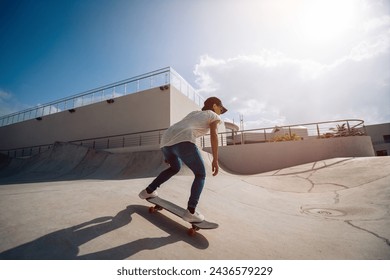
[{"x": 323, "y": 21}]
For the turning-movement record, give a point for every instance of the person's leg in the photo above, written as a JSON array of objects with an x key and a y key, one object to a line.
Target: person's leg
[
  {"x": 190, "y": 155},
  {"x": 175, "y": 165}
]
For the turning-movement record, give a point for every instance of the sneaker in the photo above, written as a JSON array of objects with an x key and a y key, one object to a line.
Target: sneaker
[
  {"x": 144, "y": 194},
  {"x": 193, "y": 218}
]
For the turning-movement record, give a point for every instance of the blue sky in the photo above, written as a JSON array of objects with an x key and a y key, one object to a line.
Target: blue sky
[{"x": 274, "y": 61}]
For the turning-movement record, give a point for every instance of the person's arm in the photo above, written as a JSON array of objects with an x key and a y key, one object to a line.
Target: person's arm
[{"x": 214, "y": 146}]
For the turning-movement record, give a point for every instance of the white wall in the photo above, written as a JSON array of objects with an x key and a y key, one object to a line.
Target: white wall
[
  {"x": 142, "y": 111},
  {"x": 181, "y": 105},
  {"x": 262, "y": 157}
]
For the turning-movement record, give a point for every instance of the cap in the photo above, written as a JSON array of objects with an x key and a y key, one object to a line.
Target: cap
[{"x": 209, "y": 102}]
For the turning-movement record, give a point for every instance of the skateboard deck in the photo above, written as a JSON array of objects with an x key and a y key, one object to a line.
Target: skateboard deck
[{"x": 160, "y": 204}]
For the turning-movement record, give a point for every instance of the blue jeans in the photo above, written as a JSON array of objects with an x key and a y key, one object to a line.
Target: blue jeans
[{"x": 188, "y": 153}]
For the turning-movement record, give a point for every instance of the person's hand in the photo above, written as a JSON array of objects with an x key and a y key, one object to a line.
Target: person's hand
[{"x": 215, "y": 167}]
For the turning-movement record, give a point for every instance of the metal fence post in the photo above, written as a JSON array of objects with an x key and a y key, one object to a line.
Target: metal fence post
[{"x": 349, "y": 128}]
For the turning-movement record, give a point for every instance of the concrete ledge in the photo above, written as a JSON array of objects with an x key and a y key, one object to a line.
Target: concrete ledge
[{"x": 262, "y": 157}]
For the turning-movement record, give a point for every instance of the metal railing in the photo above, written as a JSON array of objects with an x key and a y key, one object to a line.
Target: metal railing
[
  {"x": 27, "y": 151},
  {"x": 145, "y": 138},
  {"x": 138, "y": 139},
  {"x": 180, "y": 83},
  {"x": 146, "y": 81},
  {"x": 298, "y": 132}
]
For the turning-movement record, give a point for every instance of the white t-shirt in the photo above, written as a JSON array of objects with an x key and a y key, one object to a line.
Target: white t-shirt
[{"x": 194, "y": 125}]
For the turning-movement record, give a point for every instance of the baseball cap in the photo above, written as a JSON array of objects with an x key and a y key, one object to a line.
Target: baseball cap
[{"x": 209, "y": 102}]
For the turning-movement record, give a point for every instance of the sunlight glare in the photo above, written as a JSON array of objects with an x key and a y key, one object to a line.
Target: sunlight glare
[{"x": 326, "y": 20}]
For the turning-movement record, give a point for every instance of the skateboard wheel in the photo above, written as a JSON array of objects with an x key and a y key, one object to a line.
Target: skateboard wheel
[
  {"x": 151, "y": 209},
  {"x": 191, "y": 231}
]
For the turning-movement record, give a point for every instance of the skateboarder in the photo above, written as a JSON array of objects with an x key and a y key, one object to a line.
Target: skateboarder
[{"x": 178, "y": 145}]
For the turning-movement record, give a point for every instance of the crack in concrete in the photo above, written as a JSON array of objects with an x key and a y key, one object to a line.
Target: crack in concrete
[
  {"x": 311, "y": 182},
  {"x": 373, "y": 180},
  {"x": 307, "y": 175},
  {"x": 387, "y": 241},
  {"x": 337, "y": 201},
  {"x": 343, "y": 162}
]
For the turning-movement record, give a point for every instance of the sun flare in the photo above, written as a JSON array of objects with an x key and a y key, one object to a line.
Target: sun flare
[{"x": 326, "y": 20}]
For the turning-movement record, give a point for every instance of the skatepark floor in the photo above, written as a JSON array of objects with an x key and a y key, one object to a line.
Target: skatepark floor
[{"x": 333, "y": 209}]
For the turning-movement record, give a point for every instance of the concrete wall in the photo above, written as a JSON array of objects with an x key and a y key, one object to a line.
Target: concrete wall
[
  {"x": 262, "y": 157},
  {"x": 181, "y": 105},
  {"x": 377, "y": 133},
  {"x": 142, "y": 111}
]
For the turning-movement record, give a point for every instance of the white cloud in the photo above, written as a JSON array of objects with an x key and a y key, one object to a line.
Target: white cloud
[
  {"x": 377, "y": 23},
  {"x": 5, "y": 99},
  {"x": 4, "y": 96},
  {"x": 270, "y": 88},
  {"x": 376, "y": 41},
  {"x": 295, "y": 79}
]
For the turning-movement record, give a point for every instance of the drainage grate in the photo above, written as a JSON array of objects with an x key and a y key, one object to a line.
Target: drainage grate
[{"x": 324, "y": 212}]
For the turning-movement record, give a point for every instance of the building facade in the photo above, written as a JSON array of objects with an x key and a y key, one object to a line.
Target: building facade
[
  {"x": 128, "y": 113},
  {"x": 380, "y": 136}
]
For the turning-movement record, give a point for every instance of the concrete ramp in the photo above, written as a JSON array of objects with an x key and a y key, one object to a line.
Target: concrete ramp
[
  {"x": 51, "y": 164},
  {"x": 330, "y": 209},
  {"x": 104, "y": 165},
  {"x": 72, "y": 162}
]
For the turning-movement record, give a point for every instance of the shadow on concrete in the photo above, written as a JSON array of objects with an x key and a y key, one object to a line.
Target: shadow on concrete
[{"x": 64, "y": 244}]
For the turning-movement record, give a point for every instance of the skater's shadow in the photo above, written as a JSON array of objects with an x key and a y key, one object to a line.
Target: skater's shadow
[{"x": 64, "y": 244}]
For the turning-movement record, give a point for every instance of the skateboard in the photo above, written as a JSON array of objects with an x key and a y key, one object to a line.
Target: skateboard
[{"x": 160, "y": 204}]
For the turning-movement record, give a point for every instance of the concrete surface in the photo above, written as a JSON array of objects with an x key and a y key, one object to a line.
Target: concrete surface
[{"x": 74, "y": 203}]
